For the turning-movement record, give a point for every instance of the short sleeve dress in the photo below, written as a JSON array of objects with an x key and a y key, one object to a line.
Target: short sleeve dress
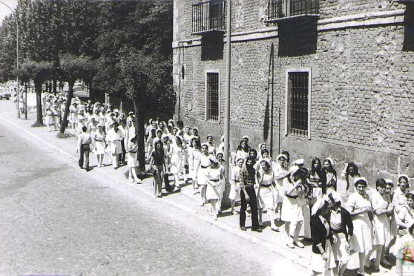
[
  {"x": 362, "y": 238},
  {"x": 177, "y": 163},
  {"x": 99, "y": 141},
  {"x": 235, "y": 189},
  {"x": 292, "y": 204},
  {"x": 266, "y": 196},
  {"x": 214, "y": 176},
  {"x": 381, "y": 222}
]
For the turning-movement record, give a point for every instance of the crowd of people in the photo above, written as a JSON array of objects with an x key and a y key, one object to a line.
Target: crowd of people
[{"x": 339, "y": 213}]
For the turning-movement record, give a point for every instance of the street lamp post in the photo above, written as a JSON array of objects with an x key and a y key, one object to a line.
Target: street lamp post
[{"x": 17, "y": 58}]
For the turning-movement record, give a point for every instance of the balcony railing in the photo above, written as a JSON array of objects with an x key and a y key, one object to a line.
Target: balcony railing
[
  {"x": 209, "y": 16},
  {"x": 283, "y": 9}
]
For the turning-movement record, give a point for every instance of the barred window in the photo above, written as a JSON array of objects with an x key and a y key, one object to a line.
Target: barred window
[
  {"x": 212, "y": 96},
  {"x": 298, "y": 104}
]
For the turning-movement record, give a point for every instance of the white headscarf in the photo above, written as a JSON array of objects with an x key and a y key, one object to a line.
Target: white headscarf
[
  {"x": 318, "y": 205},
  {"x": 356, "y": 179}
]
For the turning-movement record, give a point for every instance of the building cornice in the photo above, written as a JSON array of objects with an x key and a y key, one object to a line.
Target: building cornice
[{"x": 342, "y": 22}]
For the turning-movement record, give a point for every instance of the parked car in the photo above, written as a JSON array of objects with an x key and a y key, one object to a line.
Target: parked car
[{"x": 5, "y": 95}]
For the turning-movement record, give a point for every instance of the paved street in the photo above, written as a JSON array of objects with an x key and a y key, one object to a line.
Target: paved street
[{"x": 59, "y": 220}]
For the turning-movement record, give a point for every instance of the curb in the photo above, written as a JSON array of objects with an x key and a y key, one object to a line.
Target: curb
[{"x": 127, "y": 188}]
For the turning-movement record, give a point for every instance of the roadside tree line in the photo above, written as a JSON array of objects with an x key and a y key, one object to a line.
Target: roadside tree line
[{"x": 122, "y": 48}]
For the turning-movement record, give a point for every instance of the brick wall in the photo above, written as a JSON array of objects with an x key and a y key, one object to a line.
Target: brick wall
[{"x": 362, "y": 89}]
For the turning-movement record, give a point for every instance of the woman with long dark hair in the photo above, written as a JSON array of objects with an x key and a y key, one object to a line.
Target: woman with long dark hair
[
  {"x": 242, "y": 150},
  {"x": 345, "y": 185},
  {"x": 330, "y": 172},
  {"x": 317, "y": 178},
  {"x": 157, "y": 163}
]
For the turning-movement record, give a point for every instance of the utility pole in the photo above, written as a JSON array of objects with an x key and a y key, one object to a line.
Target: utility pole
[{"x": 227, "y": 100}]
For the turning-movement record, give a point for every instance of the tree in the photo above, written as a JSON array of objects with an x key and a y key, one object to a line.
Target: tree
[
  {"x": 39, "y": 72},
  {"x": 136, "y": 56},
  {"x": 133, "y": 69},
  {"x": 73, "y": 68}
]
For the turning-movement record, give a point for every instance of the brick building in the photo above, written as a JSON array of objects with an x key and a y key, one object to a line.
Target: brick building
[{"x": 314, "y": 77}]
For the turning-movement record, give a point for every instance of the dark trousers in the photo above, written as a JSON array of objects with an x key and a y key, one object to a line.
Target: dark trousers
[
  {"x": 122, "y": 159},
  {"x": 253, "y": 206},
  {"x": 84, "y": 156}
]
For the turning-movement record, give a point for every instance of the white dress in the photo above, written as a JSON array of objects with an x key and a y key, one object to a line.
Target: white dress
[
  {"x": 399, "y": 200},
  {"x": 279, "y": 174},
  {"x": 292, "y": 204},
  {"x": 215, "y": 183},
  {"x": 201, "y": 168},
  {"x": 177, "y": 164},
  {"x": 99, "y": 142},
  {"x": 132, "y": 160},
  {"x": 235, "y": 188},
  {"x": 361, "y": 240},
  {"x": 381, "y": 222},
  {"x": 49, "y": 118},
  {"x": 266, "y": 196},
  {"x": 114, "y": 139}
]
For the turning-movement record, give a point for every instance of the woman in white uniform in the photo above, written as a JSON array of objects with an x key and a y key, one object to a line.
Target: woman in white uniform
[
  {"x": 281, "y": 171},
  {"x": 381, "y": 224},
  {"x": 235, "y": 183},
  {"x": 114, "y": 138},
  {"x": 292, "y": 213},
  {"x": 214, "y": 180},
  {"x": 361, "y": 213},
  {"x": 266, "y": 194},
  {"x": 177, "y": 160},
  {"x": 99, "y": 138},
  {"x": 200, "y": 167},
  {"x": 399, "y": 199},
  {"x": 194, "y": 156},
  {"x": 132, "y": 160}
]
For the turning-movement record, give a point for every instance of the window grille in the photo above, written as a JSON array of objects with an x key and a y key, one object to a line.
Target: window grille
[
  {"x": 299, "y": 110},
  {"x": 286, "y": 8},
  {"x": 212, "y": 97},
  {"x": 208, "y": 16}
]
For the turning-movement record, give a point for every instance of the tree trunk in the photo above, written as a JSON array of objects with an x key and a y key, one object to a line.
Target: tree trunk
[
  {"x": 68, "y": 102},
  {"x": 25, "y": 100},
  {"x": 39, "y": 117},
  {"x": 54, "y": 86},
  {"x": 139, "y": 107}
]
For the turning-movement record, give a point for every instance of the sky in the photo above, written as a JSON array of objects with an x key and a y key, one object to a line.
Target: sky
[{"x": 4, "y": 11}]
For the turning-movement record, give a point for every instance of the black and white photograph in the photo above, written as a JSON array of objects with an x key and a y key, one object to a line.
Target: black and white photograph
[{"x": 206, "y": 137}]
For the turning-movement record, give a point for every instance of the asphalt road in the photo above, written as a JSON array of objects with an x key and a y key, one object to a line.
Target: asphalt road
[{"x": 58, "y": 220}]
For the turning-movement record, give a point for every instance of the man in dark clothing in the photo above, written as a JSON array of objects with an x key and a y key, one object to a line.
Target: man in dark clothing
[{"x": 248, "y": 194}]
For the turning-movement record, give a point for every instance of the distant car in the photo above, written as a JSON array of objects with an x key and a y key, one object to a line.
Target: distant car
[{"x": 5, "y": 95}]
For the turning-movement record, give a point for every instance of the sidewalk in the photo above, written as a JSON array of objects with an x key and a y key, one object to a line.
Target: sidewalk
[{"x": 184, "y": 200}]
